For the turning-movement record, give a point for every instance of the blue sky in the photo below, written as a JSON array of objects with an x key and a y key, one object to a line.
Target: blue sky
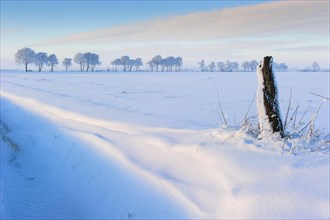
[
  {"x": 210, "y": 30},
  {"x": 97, "y": 14}
]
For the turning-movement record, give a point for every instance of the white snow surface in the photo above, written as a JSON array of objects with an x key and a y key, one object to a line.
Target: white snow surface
[{"x": 149, "y": 145}]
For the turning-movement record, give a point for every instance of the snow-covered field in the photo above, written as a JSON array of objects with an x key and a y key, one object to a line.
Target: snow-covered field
[{"x": 152, "y": 145}]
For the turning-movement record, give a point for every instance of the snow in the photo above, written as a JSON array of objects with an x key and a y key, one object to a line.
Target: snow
[
  {"x": 265, "y": 126},
  {"x": 149, "y": 145}
]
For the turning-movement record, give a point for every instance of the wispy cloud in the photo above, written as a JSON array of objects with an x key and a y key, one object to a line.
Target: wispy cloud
[
  {"x": 10, "y": 31},
  {"x": 292, "y": 31},
  {"x": 281, "y": 17}
]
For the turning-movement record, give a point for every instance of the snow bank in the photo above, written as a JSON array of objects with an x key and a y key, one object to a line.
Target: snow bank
[
  {"x": 86, "y": 177},
  {"x": 77, "y": 161}
]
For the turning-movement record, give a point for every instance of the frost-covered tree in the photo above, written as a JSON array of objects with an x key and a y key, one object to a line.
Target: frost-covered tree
[
  {"x": 283, "y": 67},
  {"x": 157, "y": 60},
  {"x": 94, "y": 60},
  {"x": 228, "y": 63},
  {"x": 172, "y": 62},
  {"x": 165, "y": 63},
  {"x": 178, "y": 63},
  {"x": 229, "y": 66},
  {"x": 168, "y": 63},
  {"x": 221, "y": 66},
  {"x": 202, "y": 65},
  {"x": 130, "y": 64},
  {"x": 124, "y": 61},
  {"x": 211, "y": 66},
  {"x": 151, "y": 65},
  {"x": 25, "y": 56},
  {"x": 40, "y": 60},
  {"x": 232, "y": 66},
  {"x": 88, "y": 60},
  {"x": 80, "y": 59},
  {"x": 91, "y": 60},
  {"x": 253, "y": 65},
  {"x": 315, "y": 66},
  {"x": 127, "y": 63},
  {"x": 67, "y": 62},
  {"x": 137, "y": 63},
  {"x": 116, "y": 63},
  {"x": 52, "y": 62},
  {"x": 246, "y": 66},
  {"x": 235, "y": 66}
]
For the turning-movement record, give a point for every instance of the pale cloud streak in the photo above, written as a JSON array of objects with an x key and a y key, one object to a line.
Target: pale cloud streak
[
  {"x": 295, "y": 32},
  {"x": 282, "y": 17}
]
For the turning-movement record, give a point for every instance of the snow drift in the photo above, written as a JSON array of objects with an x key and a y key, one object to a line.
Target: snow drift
[{"x": 110, "y": 154}]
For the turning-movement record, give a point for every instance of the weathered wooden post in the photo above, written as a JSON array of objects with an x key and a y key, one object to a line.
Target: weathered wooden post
[{"x": 267, "y": 101}]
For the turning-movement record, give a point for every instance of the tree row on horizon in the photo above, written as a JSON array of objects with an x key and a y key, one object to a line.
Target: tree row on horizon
[
  {"x": 232, "y": 66},
  {"x": 88, "y": 61},
  {"x": 27, "y": 55}
]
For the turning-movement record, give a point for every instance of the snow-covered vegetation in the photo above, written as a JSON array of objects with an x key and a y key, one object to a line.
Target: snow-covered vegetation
[{"x": 161, "y": 145}]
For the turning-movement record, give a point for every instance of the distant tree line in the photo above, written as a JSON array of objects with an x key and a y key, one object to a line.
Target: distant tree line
[
  {"x": 232, "y": 66},
  {"x": 157, "y": 63},
  {"x": 127, "y": 63},
  {"x": 280, "y": 67},
  {"x": 28, "y": 56},
  {"x": 169, "y": 64},
  {"x": 228, "y": 66},
  {"x": 315, "y": 67},
  {"x": 88, "y": 61}
]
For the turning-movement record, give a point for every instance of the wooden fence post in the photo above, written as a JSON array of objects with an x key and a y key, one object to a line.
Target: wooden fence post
[{"x": 267, "y": 86}]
